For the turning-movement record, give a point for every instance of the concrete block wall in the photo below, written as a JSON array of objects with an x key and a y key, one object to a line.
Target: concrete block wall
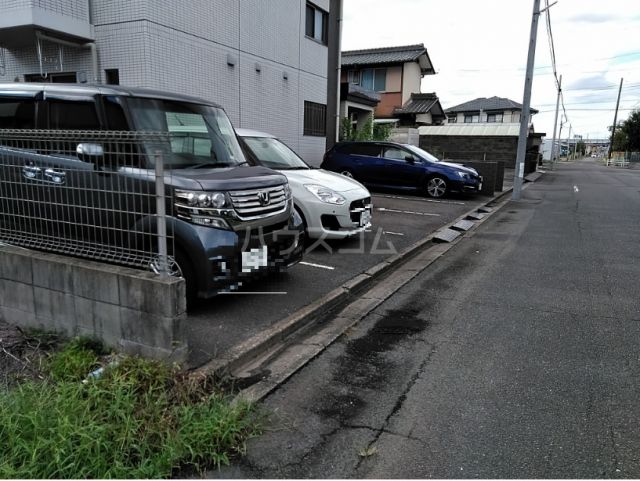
[
  {"x": 132, "y": 311},
  {"x": 468, "y": 147}
]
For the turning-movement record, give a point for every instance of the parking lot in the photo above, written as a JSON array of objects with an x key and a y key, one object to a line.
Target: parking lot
[{"x": 399, "y": 220}]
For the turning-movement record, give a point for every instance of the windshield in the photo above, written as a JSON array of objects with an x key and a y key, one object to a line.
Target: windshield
[
  {"x": 274, "y": 154},
  {"x": 201, "y": 136},
  {"x": 422, "y": 153}
]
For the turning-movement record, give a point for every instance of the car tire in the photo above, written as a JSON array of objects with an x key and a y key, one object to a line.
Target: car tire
[
  {"x": 347, "y": 173},
  {"x": 436, "y": 187},
  {"x": 188, "y": 273}
]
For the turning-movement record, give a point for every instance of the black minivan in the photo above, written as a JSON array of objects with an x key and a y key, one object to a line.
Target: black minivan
[{"x": 228, "y": 221}]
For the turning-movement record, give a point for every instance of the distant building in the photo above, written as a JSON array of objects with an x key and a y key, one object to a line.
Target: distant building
[
  {"x": 393, "y": 76},
  {"x": 486, "y": 110},
  {"x": 482, "y": 129},
  {"x": 264, "y": 61}
]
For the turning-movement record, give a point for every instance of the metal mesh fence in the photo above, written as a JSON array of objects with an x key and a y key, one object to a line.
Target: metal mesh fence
[{"x": 96, "y": 194}]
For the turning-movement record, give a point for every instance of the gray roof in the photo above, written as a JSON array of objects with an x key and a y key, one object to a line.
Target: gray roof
[
  {"x": 421, "y": 104},
  {"x": 389, "y": 55},
  {"x": 488, "y": 104}
]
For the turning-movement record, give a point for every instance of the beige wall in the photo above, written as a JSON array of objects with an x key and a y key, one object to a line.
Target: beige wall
[
  {"x": 394, "y": 79},
  {"x": 411, "y": 80}
]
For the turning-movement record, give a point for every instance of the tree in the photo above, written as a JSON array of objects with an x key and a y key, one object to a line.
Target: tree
[
  {"x": 619, "y": 138},
  {"x": 369, "y": 131},
  {"x": 631, "y": 130}
]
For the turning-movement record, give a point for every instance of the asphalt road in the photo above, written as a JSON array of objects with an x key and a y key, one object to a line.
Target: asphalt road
[
  {"x": 399, "y": 220},
  {"x": 514, "y": 355}
]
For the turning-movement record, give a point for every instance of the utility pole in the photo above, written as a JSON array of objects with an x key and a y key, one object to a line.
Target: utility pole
[
  {"x": 555, "y": 124},
  {"x": 569, "y": 143},
  {"x": 615, "y": 119},
  {"x": 526, "y": 102},
  {"x": 333, "y": 73}
]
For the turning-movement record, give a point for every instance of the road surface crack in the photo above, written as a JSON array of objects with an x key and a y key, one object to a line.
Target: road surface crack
[{"x": 399, "y": 403}]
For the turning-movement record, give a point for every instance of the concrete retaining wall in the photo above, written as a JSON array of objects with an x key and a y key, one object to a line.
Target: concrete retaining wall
[{"x": 132, "y": 311}]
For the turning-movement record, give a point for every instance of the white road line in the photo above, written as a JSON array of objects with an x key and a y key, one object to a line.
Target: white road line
[
  {"x": 244, "y": 293},
  {"x": 419, "y": 199},
  {"x": 575, "y": 188},
  {"x": 320, "y": 266},
  {"x": 384, "y": 209},
  {"x": 393, "y": 233}
]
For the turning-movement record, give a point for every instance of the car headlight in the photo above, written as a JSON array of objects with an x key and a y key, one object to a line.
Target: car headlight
[
  {"x": 325, "y": 194},
  {"x": 464, "y": 175},
  {"x": 202, "y": 208},
  {"x": 287, "y": 191},
  {"x": 203, "y": 200}
]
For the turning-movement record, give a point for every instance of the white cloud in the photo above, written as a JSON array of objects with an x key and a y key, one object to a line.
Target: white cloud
[{"x": 479, "y": 49}]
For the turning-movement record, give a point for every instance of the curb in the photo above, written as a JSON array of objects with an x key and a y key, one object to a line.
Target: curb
[{"x": 261, "y": 343}]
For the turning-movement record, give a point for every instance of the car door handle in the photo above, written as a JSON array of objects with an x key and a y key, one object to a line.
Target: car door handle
[
  {"x": 31, "y": 172},
  {"x": 54, "y": 176}
]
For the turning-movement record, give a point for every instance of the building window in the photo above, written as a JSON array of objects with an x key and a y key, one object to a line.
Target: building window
[
  {"x": 317, "y": 24},
  {"x": 494, "y": 118},
  {"x": 315, "y": 119},
  {"x": 112, "y": 76},
  {"x": 471, "y": 118},
  {"x": 452, "y": 120},
  {"x": 354, "y": 77},
  {"x": 374, "y": 79}
]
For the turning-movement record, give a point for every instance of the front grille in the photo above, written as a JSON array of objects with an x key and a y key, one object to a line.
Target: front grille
[
  {"x": 357, "y": 207},
  {"x": 249, "y": 205}
]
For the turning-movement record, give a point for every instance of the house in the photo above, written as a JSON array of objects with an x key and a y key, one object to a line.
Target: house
[
  {"x": 486, "y": 110},
  {"x": 482, "y": 129},
  {"x": 264, "y": 62},
  {"x": 395, "y": 75}
]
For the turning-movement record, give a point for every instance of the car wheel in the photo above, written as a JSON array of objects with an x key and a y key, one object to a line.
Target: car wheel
[
  {"x": 185, "y": 270},
  {"x": 437, "y": 187},
  {"x": 347, "y": 173}
]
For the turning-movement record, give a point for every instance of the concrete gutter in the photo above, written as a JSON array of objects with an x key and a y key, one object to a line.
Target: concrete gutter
[{"x": 269, "y": 342}]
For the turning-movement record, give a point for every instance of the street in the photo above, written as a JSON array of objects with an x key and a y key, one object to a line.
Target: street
[{"x": 514, "y": 355}]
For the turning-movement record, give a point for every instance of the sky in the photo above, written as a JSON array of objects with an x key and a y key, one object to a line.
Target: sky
[{"x": 479, "y": 49}]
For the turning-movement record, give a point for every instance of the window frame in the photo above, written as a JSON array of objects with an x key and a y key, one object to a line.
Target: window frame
[
  {"x": 471, "y": 118},
  {"x": 495, "y": 116},
  {"x": 311, "y": 126},
  {"x": 310, "y": 27}
]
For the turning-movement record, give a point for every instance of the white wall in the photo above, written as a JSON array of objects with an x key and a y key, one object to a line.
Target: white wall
[{"x": 411, "y": 78}]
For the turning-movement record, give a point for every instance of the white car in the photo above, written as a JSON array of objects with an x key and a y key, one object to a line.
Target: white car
[{"x": 331, "y": 205}]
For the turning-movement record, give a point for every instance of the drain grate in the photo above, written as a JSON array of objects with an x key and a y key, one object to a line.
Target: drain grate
[
  {"x": 446, "y": 235},
  {"x": 476, "y": 216},
  {"x": 463, "y": 225}
]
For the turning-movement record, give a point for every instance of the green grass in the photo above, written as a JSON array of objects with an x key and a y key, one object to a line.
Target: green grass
[{"x": 140, "y": 419}]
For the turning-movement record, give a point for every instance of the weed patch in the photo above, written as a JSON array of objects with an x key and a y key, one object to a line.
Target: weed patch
[{"x": 138, "y": 419}]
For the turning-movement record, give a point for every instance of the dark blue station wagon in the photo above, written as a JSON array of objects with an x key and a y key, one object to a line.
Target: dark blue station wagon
[{"x": 400, "y": 166}]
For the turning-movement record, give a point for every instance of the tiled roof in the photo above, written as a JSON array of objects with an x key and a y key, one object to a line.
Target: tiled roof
[
  {"x": 485, "y": 104},
  {"x": 419, "y": 104},
  {"x": 387, "y": 55}
]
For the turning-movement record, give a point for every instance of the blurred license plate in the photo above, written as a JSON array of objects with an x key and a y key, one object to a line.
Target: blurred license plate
[
  {"x": 255, "y": 259},
  {"x": 365, "y": 218}
]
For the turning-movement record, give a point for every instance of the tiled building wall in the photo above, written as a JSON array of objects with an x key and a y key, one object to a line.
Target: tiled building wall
[
  {"x": 78, "y": 9},
  {"x": 184, "y": 47}
]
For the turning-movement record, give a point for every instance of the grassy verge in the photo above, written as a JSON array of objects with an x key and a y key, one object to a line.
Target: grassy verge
[{"x": 138, "y": 419}]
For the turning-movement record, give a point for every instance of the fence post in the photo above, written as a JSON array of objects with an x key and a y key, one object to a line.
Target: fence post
[{"x": 161, "y": 220}]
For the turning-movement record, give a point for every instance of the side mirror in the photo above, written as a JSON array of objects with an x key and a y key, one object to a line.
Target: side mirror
[
  {"x": 410, "y": 159},
  {"x": 88, "y": 152}
]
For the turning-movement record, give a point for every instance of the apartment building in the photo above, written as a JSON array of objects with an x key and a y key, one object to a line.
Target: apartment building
[{"x": 264, "y": 61}]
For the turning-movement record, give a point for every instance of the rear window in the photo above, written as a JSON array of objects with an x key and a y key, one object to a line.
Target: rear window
[{"x": 370, "y": 150}]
